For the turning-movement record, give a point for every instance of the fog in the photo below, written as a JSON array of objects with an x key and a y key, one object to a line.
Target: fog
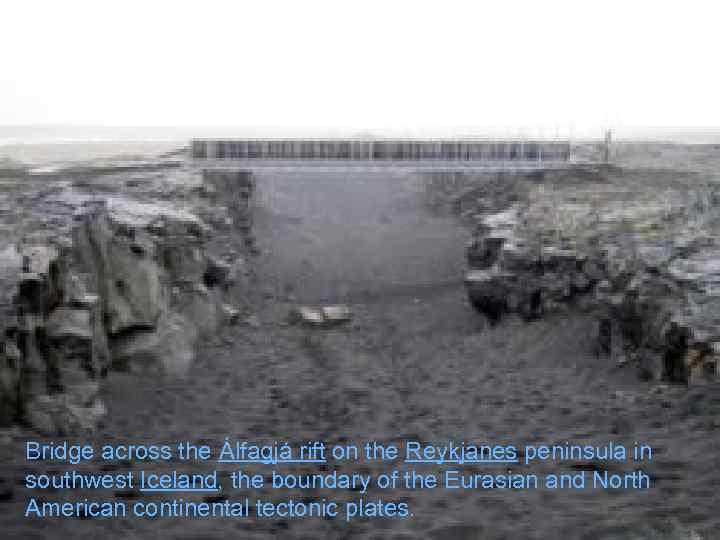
[{"x": 528, "y": 68}]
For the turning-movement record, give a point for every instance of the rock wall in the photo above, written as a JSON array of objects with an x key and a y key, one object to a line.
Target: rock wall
[
  {"x": 53, "y": 349},
  {"x": 130, "y": 284},
  {"x": 638, "y": 248}
]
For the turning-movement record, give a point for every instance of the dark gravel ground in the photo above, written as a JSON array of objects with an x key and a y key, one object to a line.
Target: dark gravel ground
[{"x": 415, "y": 363}]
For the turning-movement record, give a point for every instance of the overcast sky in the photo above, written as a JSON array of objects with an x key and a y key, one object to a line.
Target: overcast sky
[{"x": 362, "y": 65}]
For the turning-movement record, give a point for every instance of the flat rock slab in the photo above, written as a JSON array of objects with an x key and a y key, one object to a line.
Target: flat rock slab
[{"x": 322, "y": 316}]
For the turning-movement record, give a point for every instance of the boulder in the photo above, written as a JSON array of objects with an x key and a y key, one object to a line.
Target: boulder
[
  {"x": 69, "y": 323},
  {"x": 168, "y": 349},
  {"x": 199, "y": 306},
  {"x": 183, "y": 259},
  {"x": 132, "y": 249},
  {"x": 323, "y": 316},
  {"x": 133, "y": 292},
  {"x": 34, "y": 282},
  {"x": 336, "y": 314},
  {"x": 307, "y": 315},
  {"x": 151, "y": 270},
  {"x": 121, "y": 263},
  {"x": 483, "y": 251},
  {"x": 489, "y": 291},
  {"x": 37, "y": 259},
  {"x": 74, "y": 339},
  {"x": 60, "y": 415},
  {"x": 77, "y": 329},
  {"x": 218, "y": 273}
]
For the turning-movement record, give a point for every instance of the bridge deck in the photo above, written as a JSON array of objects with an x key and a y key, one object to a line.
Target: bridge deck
[{"x": 421, "y": 165}]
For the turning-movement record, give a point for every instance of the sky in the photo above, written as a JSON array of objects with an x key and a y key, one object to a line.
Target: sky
[{"x": 408, "y": 66}]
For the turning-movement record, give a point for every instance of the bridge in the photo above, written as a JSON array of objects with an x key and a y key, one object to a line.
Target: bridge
[{"x": 446, "y": 154}]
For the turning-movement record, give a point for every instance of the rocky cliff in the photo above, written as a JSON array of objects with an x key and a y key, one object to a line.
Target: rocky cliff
[
  {"x": 117, "y": 275},
  {"x": 638, "y": 247}
]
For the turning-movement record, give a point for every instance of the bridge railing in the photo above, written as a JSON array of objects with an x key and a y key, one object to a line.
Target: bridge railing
[{"x": 379, "y": 150}]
